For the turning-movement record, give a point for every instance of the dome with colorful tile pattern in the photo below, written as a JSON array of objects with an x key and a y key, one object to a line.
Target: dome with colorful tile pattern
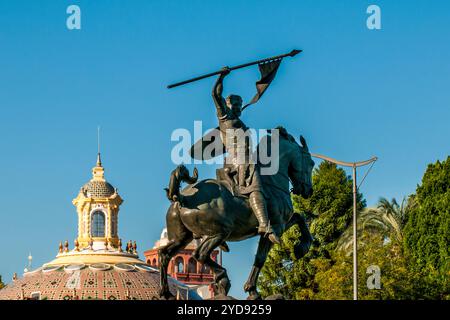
[{"x": 92, "y": 282}]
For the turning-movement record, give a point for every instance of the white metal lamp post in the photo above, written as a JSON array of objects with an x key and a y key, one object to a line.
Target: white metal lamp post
[{"x": 353, "y": 165}]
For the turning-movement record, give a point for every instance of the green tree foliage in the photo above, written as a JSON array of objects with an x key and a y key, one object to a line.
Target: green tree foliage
[
  {"x": 398, "y": 280},
  {"x": 1, "y": 283},
  {"x": 427, "y": 231},
  {"x": 330, "y": 208},
  {"x": 328, "y": 212}
]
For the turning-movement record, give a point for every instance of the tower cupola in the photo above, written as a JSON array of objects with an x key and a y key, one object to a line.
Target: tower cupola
[{"x": 97, "y": 206}]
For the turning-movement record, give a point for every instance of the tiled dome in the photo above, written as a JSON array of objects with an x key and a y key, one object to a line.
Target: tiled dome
[
  {"x": 97, "y": 282},
  {"x": 98, "y": 189}
]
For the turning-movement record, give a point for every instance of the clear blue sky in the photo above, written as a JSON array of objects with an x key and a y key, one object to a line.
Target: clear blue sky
[{"x": 353, "y": 93}]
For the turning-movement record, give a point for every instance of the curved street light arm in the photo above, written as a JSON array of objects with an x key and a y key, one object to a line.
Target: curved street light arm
[{"x": 344, "y": 163}]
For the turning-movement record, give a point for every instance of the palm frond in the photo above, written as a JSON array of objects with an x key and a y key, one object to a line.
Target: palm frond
[{"x": 387, "y": 219}]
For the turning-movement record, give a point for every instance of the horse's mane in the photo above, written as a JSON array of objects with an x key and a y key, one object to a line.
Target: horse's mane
[{"x": 286, "y": 135}]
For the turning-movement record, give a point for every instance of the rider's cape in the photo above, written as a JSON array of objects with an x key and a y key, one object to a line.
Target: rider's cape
[{"x": 208, "y": 143}]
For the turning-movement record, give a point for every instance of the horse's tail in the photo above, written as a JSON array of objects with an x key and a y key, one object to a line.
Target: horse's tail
[
  {"x": 306, "y": 239},
  {"x": 179, "y": 175}
]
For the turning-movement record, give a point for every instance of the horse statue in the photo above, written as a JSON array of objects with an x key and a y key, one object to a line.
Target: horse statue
[{"x": 208, "y": 210}]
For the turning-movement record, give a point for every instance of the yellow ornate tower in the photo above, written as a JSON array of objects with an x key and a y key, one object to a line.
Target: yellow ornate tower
[{"x": 97, "y": 206}]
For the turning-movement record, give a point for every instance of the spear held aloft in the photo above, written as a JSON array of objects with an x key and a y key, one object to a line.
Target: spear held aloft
[{"x": 290, "y": 54}]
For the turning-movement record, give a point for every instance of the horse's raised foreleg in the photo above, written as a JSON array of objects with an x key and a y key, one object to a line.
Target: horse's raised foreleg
[
  {"x": 165, "y": 254},
  {"x": 263, "y": 250},
  {"x": 306, "y": 239},
  {"x": 203, "y": 255}
]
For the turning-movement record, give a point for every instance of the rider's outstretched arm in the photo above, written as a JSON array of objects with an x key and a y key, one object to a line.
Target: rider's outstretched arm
[{"x": 219, "y": 101}]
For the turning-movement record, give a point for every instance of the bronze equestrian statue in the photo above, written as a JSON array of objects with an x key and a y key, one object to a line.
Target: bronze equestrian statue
[{"x": 240, "y": 203}]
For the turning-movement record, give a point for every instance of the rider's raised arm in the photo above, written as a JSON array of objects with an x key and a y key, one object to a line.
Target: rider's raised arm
[{"x": 219, "y": 101}]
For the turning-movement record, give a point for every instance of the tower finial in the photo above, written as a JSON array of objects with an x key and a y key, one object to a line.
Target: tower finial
[
  {"x": 98, "y": 171},
  {"x": 99, "y": 160}
]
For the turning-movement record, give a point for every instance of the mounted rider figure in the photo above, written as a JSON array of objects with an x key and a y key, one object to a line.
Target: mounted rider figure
[{"x": 240, "y": 170}]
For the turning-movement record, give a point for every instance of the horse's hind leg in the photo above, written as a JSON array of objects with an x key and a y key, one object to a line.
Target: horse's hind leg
[
  {"x": 165, "y": 254},
  {"x": 182, "y": 238},
  {"x": 203, "y": 255},
  {"x": 263, "y": 250}
]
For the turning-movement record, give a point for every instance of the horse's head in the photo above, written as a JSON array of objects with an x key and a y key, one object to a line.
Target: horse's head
[{"x": 300, "y": 169}]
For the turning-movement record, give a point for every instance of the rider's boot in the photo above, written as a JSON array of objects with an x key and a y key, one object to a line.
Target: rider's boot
[{"x": 258, "y": 205}]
